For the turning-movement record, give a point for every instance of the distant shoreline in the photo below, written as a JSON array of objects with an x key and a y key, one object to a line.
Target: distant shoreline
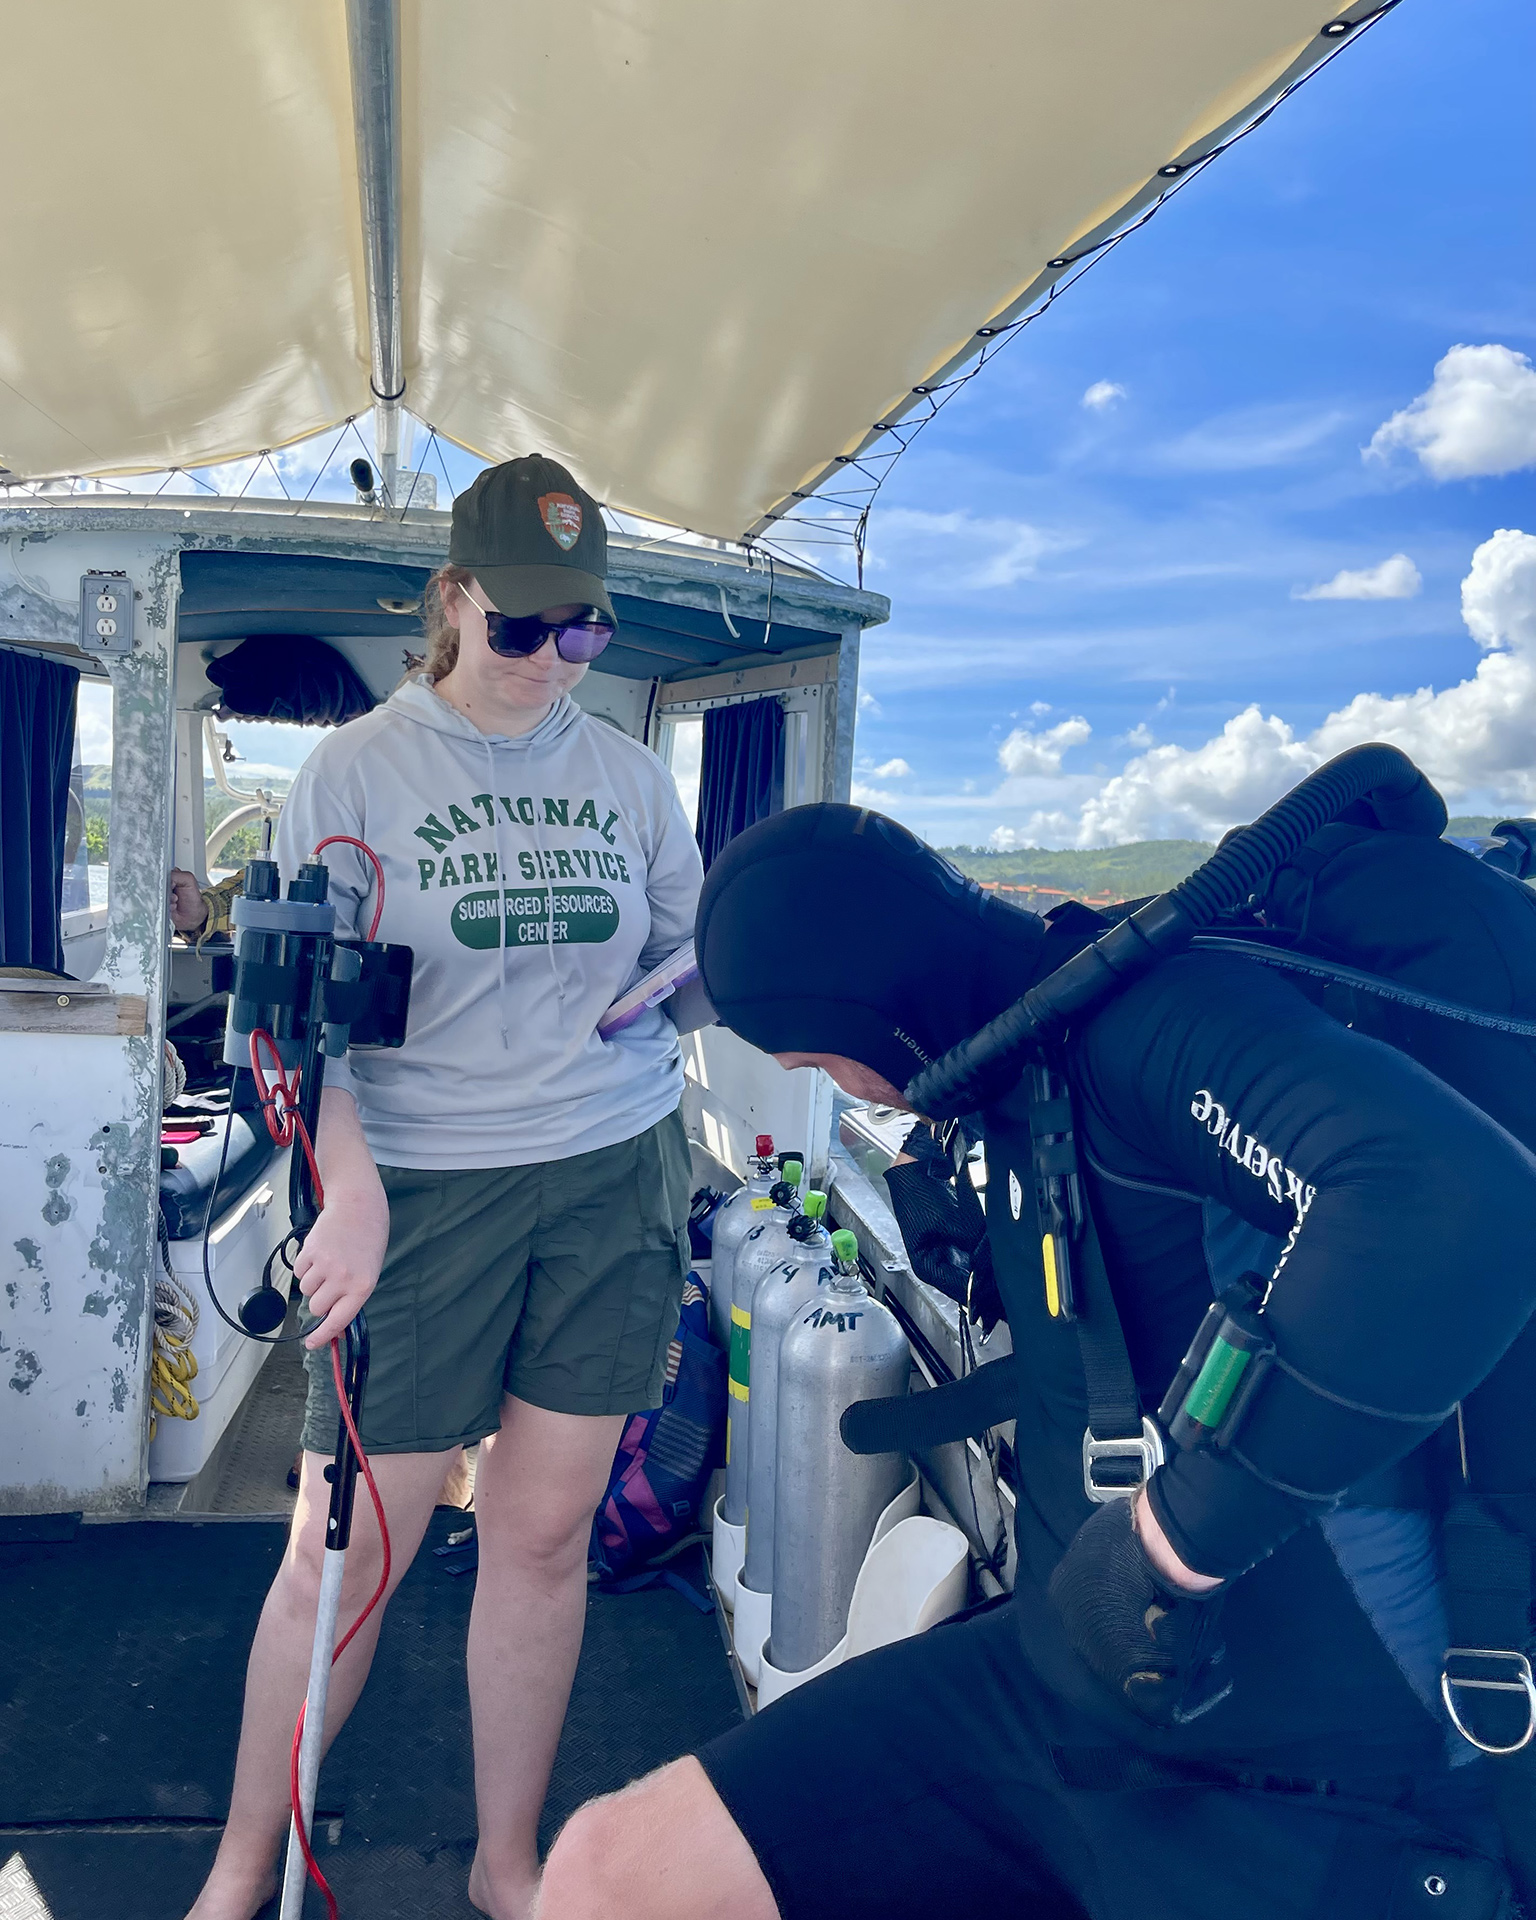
[{"x": 1099, "y": 874}]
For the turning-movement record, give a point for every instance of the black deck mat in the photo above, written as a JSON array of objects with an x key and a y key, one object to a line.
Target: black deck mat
[
  {"x": 124, "y": 1668},
  {"x": 122, "y": 1701}
]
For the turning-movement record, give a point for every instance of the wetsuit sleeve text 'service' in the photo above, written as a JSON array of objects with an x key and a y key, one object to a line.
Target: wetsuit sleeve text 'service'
[{"x": 1406, "y": 1268}]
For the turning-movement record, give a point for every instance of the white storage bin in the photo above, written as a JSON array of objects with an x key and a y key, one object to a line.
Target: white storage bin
[{"x": 227, "y": 1361}]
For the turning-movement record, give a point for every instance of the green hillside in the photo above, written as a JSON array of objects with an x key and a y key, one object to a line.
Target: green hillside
[
  {"x": 1123, "y": 873},
  {"x": 242, "y": 845}
]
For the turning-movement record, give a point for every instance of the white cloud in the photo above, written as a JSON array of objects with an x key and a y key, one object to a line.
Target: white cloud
[
  {"x": 1024, "y": 753},
  {"x": 957, "y": 551},
  {"x": 1043, "y": 829},
  {"x": 1394, "y": 579},
  {"x": 1102, "y": 394},
  {"x": 1247, "y": 439},
  {"x": 869, "y": 704},
  {"x": 1197, "y": 793},
  {"x": 1476, "y": 740},
  {"x": 1498, "y": 597},
  {"x": 892, "y": 770},
  {"x": 265, "y": 748},
  {"x": 1039, "y": 707},
  {"x": 1477, "y": 416}
]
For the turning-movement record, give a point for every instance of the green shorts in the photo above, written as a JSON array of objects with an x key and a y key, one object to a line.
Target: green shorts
[{"x": 559, "y": 1283}]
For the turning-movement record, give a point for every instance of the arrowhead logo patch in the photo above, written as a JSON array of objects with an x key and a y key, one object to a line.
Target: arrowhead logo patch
[{"x": 562, "y": 519}]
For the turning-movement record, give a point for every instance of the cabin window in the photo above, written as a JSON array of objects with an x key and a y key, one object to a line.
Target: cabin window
[
  {"x": 249, "y": 765},
  {"x": 88, "y": 834},
  {"x": 682, "y": 750}
]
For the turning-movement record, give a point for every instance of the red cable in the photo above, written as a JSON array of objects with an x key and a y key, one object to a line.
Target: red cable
[
  {"x": 285, "y": 1124},
  {"x": 346, "y": 1640},
  {"x": 350, "y": 840}
]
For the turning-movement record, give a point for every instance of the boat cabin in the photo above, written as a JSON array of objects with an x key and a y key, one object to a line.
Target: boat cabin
[{"x": 91, "y": 1184}]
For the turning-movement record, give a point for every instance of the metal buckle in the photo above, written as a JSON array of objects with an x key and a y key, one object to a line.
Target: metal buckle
[
  {"x": 1148, "y": 1449},
  {"x": 1522, "y": 1683}
]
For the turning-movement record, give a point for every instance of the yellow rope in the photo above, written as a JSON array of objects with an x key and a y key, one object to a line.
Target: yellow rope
[{"x": 173, "y": 1365}]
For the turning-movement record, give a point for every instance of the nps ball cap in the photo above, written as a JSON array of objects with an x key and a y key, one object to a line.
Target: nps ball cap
[{"x": 533, "y": 537}]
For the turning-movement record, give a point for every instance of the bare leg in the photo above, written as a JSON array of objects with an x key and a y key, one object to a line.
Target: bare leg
[
  {"x": 663, "y": 1849},
  {"x": 459, "y": 1481},
  {"x": 537, "y": 1485},
  {"x": 245, "y": 1871}
]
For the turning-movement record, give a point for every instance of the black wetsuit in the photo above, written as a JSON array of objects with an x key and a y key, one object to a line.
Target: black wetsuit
[{"x": 1225, "y": 1121}]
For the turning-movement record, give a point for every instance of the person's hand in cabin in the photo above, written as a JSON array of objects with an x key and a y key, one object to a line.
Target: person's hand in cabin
[
  {"x": 188, "y": 910},
  {"x": 338, "y": 1266}
]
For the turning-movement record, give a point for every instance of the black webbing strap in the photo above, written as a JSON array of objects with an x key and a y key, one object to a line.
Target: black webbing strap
[
  {"x": 1487, "y": 1682},
  {"x": 919, "y": 1422},
  {"x": 346, "y": 1000},
  {"x": 1488, "y": 1578},
  {"x": 263, "y": 981},
  {"x": 1114, "y": 1405}
]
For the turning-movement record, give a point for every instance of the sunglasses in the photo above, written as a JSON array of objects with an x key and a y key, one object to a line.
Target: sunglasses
[{"x": 576, "y": 641}]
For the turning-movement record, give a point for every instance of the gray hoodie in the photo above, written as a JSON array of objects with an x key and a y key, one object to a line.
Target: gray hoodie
[{"x": 535, "y": 879}]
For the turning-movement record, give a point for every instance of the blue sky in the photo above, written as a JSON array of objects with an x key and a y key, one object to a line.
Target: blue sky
[
  {"x": 1132, "y": 565},
  {"x": 1096, "y": 554}
]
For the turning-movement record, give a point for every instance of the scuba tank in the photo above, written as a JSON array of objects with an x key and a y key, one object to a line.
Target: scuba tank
[
  {"x": 842, "y": 1348},
  {"x": 781, "y": 1295},
  {"x": 761, "y": 1248},
  {"x": 732, "y": 1223}
]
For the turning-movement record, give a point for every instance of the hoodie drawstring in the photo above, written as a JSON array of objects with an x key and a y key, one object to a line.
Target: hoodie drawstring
[
  {"x": 549, "y": 900},
  {"x": 549, "y": 908},
  {"x": 501, "y": 872}
]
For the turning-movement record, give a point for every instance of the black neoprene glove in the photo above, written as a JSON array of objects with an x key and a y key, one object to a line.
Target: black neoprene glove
[
  {"x": 943, "y": 1227},
  {"x": 1157, "y": 1648}
]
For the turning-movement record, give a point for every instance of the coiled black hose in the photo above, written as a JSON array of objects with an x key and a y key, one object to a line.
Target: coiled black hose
[{"x": 979, "y": 1069}]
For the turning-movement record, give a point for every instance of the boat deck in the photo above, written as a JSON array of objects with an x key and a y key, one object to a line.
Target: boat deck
[{"x": 125, "y": 1664}]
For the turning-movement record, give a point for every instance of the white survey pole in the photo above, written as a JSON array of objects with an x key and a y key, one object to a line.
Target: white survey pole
[{"x": 295, "y": 1872}]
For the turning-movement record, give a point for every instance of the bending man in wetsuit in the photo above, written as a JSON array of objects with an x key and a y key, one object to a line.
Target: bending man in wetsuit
[{"x": 1220, "y": 1698}]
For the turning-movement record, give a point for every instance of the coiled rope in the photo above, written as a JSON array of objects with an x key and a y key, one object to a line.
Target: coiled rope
[{"x": 173, "y": 1365}]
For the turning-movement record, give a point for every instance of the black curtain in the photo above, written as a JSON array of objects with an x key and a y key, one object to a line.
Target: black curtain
[
  {"x": 741, "y": 779},
  {"x": 37, "y": 740}
]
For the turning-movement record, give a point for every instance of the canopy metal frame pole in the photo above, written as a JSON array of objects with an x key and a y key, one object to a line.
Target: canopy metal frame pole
[{"x": 373, "y": 46}]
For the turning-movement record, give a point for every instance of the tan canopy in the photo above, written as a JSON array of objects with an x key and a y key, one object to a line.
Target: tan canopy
[{"x": 695, "y": 248}]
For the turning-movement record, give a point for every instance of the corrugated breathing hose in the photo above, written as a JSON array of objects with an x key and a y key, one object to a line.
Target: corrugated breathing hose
[{"x": 980, "y": 1069}]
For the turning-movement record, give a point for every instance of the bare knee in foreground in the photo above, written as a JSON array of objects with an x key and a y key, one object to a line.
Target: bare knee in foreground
[{"x": 663, "y": 1849}]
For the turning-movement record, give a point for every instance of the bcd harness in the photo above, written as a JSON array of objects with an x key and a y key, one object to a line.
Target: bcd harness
[{"x": 1486, "y": 1682}]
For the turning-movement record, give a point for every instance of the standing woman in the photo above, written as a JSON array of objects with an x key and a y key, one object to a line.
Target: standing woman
[{"x": 508, "y": 1192}]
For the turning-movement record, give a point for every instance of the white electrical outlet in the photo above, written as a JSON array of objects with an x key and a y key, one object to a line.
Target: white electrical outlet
[{"x": 106, "y": 613}]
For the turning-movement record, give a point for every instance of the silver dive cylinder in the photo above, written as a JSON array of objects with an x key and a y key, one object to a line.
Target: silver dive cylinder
[
  {"x": 843, "y": 1347},
  {"x": 733, "y": 1221},
  {"x": 763, "y": 1247},
  {"x": 781, "y": 1294}
]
